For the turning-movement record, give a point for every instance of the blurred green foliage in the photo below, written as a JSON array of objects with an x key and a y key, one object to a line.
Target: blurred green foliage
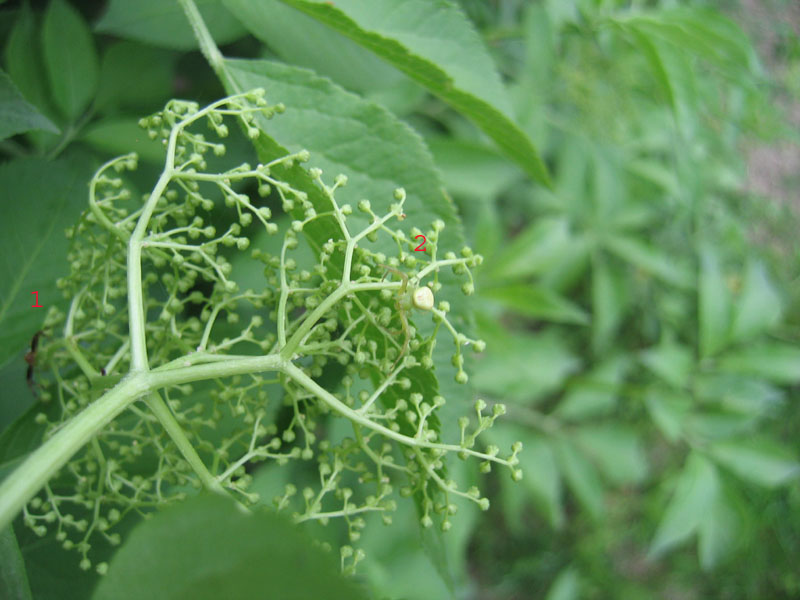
[{"x": 641, "y": 312}]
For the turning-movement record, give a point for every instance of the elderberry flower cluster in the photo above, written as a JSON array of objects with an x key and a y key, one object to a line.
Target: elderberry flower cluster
[{"x": 327, "y": 363}]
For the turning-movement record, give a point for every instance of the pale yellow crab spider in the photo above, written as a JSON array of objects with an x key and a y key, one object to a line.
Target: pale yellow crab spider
[{"x": 420, "y": 298}]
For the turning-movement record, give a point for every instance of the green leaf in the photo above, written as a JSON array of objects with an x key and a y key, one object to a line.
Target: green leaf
[
  {"x": 776, "y": 362},
  {"x": 671, "y": 69},
  {"x": 23, "y": 436},
  {"x": 713, "y": 304},
  {"x": 164, "y": 24},
  {"x": 609, "y": 301},
  {"x": 758, "y": 461},
  {"x": 46, "y": 195},
  {"x": 24, "y": 60},
  {"x": 695, "y": 494},
  {"x": 581, "y": 477},
  {"x": 206, "y": 548},
  {"x": 118, "y": 88},
  {"x": 16, "y": 114},
  {"x": 541, "y": 477},
  {"x": 432, "y": 42},
  {"x": 524, "y": 367},
  {"x": 670, "y": 361},
  {"x": 595, "y": 393},
  {"x": 13, "y": 578},
  {"x": 718, "y": 532},
  {"x": 352, "y": 66},
  {"x": 70, "y": 58},
  {"x": 364, "y": 141},
  {"x": 650, "y": 259},
  {"x": 392, "y": 557},
  {"x": 668, "y": 410},
  {"x": 616, "y": 450},
  {"x": 533, "y": 250},
  {"x": 535, "y": 302},
  {"x": 700, "y": 31},
  {"x": 470, "y": 169},
  {"x": 759, "y": 307},
  {"x": 117, "y": 136},
  {"x": 567, "y": 586},
  {"x": 737, "y": 393},
  {"x": 52, "y": 571}
]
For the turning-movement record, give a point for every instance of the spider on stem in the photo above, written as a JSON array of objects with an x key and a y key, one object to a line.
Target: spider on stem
[{"x": 420, "y": 297}]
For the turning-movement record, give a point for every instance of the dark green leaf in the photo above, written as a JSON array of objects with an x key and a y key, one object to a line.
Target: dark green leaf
[
  {"x": 70, "y": 58},
  {"x": 13, "y": 578},
  {"x": 164, "y": 24},
  {"x": 432, "y": 42},
  {"x": 120, "y": 87},
  {"x": 22, "y": 436},
  {"x": 695, "y": 494},
  {"x": 117, "y": 136},
  {"x": 42, "y": 197},
  {"x": 207, "y": 548},
  {"x": 24, "y": 60},
  {"x": 16, "y": 114}
]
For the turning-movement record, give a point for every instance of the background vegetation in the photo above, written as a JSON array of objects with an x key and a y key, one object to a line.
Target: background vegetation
[{"x": 639, "y": 295}]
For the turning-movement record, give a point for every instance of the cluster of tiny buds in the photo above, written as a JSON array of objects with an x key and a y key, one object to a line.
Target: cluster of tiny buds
[{"x": 371, "y": 309}]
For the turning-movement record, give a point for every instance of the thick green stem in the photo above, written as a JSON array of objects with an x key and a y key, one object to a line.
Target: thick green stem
[
  {"x": 29, "y": 477},
  {"x": 47, "y": 459}
]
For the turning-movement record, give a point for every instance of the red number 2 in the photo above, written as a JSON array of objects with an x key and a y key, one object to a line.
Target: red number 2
[{"x": 421, "y": 247}]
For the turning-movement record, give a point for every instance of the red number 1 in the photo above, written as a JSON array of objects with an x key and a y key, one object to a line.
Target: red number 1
[
  {"x": 421, "y": 247},
  {"x": 36, "y": 305}
]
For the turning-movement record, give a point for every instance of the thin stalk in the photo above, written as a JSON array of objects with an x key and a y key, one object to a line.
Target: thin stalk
[{"x": 173, "y": 429}]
